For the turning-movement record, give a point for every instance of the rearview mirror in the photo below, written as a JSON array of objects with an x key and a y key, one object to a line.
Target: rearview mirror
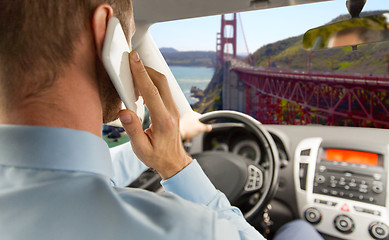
[{"x": 350, "y": 32}]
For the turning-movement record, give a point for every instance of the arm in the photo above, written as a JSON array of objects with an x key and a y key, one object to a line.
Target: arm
[
  {"x": 126, "y": 165},
  {"x": 160, "y": 147},
  {"x": 193, "y": 185}
]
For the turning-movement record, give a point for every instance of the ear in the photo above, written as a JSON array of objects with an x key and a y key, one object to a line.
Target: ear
[{"x": 99, "y": 25}]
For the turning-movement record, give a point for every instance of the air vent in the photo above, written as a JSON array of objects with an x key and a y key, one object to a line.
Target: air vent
[{"x": 305, "y": 152}]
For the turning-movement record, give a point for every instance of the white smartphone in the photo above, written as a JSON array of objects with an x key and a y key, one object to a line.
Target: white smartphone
[
  {"x": 148, "y": 51},
  {"x": 115, "y": 55}
]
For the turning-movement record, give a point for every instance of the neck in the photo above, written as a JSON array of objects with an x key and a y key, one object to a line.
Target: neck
[{"x": 73, "y": 102}]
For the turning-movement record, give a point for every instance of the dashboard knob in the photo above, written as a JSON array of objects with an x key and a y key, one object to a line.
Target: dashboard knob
[
  {"x": 312, "y": 215},
  {"x": 377, "y": 187},
  {"x": 320, "y": 179},
  {"x": 344, "y": 224},
  {"x": 379, "y": 230}
]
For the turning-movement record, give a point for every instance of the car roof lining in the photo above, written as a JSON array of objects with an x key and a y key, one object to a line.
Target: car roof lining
[{"x": 153, "y": 11}]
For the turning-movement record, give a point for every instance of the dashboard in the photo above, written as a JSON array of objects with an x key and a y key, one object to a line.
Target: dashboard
[
  {"x": 235, "y": 138},
  {"x": 336, "y": 178}
]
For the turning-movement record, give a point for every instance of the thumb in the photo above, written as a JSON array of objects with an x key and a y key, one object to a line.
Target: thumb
[{"x": 133, "y": 128}]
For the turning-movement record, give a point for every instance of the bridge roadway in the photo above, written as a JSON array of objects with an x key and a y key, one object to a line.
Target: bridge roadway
[{"x": 291, "y": 97}]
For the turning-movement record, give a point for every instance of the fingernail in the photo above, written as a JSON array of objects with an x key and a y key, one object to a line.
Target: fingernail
[
  {"x": 125, "y": 118},
  {"x": 135, "y": 56}
]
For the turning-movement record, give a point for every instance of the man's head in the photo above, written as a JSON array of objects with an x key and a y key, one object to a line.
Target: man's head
[
  {"x": 354, "y": 36},
  {"x": 38, "y": 41}
]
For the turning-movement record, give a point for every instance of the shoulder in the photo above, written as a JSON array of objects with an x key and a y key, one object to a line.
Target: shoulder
[
  {"x": 135, "y": 212},
  {"x": 170, "y": 212}
]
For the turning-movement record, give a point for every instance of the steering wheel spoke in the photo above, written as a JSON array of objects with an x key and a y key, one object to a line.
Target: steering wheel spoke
[
  {"x": 255, "y": 179},
  {"x": 238, "y": 177}
]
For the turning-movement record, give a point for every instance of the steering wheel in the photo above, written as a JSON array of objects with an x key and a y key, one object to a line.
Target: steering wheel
[{"x": 237, "y": 176}]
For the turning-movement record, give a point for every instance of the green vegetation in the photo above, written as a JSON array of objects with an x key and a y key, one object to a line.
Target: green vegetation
[
  {"x": 113, "y": 142},
  {"x": 212, "y": 94},
  {"x": 191, "y": 58},
  {"x": 289, "y": 54}
]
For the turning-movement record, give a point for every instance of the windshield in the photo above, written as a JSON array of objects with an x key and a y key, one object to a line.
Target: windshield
[{"x": 254, "y": 62}]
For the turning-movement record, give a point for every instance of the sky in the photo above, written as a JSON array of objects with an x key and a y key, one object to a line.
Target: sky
[{"x": 261, "y": 27}]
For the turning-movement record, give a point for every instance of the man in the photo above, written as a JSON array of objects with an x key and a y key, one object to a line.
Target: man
[{"x": 55, "y": 171}]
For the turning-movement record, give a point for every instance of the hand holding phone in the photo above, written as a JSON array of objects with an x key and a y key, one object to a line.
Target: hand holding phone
[{"x": 115, "y": 55}]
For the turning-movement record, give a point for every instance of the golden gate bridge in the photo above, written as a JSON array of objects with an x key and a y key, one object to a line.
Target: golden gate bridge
[{"x": 275, "y": 96}]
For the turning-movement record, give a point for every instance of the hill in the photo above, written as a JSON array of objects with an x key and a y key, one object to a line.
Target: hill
[
  {"x": 289, "y": 54},
  {"x": 168, "y": 50},
  {"x": 189, "y": 58}
]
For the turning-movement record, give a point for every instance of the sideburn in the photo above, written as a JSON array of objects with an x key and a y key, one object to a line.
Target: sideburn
[{"x": 109, "y": 98}]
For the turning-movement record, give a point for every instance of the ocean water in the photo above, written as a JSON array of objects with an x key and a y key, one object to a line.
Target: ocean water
[{"x": 192, "y": 76}]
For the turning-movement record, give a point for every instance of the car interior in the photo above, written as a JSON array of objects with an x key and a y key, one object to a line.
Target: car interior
[{"x": 334, "y": 177}]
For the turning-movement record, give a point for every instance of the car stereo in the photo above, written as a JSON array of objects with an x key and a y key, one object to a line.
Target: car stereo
[
  {"x": 350, "y": 174},
  {"x": 341, "y": 187}
]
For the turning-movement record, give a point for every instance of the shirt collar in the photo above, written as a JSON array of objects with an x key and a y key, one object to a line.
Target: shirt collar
[{"x": 54, "y": 149}]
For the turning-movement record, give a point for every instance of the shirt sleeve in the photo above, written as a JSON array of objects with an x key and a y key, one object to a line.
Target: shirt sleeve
[
  {"x": 126, "y": 165},
  {"x": 193, "y": 185}
]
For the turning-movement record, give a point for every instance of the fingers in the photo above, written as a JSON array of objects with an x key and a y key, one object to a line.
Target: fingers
[
  {"x": 147, "y": 88},
  {"x": 160, "y": 145},
  {"x": 190, "y": 126},
  {"x": 162, "y": 84},
  {"x": 197, "y": 129},
  {"x": 207, "y": 128},
  {"x": 134, "y": 131}
]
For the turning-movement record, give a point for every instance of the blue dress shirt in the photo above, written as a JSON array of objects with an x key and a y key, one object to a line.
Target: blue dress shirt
[
  {"x": 126, "y": 165},
  {"x": 56, "y": 183}
]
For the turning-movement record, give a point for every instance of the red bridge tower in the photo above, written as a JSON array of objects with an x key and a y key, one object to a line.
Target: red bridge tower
[{"x": 223, "y": 41}]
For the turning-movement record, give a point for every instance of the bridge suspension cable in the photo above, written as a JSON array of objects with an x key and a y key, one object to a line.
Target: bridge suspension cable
[{"x": 245, "y": 41}]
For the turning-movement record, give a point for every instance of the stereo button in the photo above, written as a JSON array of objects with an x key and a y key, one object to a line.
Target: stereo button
[
  {"x": 359, "y": 209},
  {"x": 345, "y": 208},
  {"x": 369, "y": 211},
  {"x": 363, "y": 190},
  {"x": 377, "y": 187},
  {"x": 377, "y": 176},
  {"x": 320, "y": 179}
]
